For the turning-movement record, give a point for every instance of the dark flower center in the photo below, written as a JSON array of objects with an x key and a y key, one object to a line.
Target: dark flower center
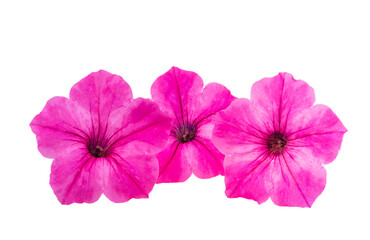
[
  {"x": 96, "y": 151},
  {"x": 185, "y": 132},
  {"x": 276, "y": 143}
]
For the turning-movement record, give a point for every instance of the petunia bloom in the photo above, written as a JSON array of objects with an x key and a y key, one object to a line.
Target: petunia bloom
[
  {"x": 102, "y": 141},
  {"x": 189, "y": 149},
  {"x": 277, "y": 142}
]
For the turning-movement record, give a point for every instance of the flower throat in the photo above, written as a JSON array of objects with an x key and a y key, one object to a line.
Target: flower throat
[
  {"x": 185, "y": 132},
  {"x": 96, "y": 151},
  {"x": 276, "y": 143}
]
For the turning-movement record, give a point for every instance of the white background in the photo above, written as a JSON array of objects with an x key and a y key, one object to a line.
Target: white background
[{"x": 47, "y": 47}]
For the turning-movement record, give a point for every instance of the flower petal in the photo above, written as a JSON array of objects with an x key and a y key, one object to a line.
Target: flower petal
[
  {"x": 174, "y": 90},
  {"x": 60, "y": 125},
  {"x": 319, "y": 130},
  {"x": 281, "y": 97},
  {"x": 214, "y": 98},
  {"x": 140, "y": 128},
  {"x": 100, "y": 93},
  {"x": 129, "y": 176},
  {"x": 207, "y": 161},
  {"x": 298, "y": 179},
  {"x": 239, "y": 128},
  {"x": 248, "y": 175},
  {"x": 76, "y": 176},
  {"x": 174, "y": 162}
]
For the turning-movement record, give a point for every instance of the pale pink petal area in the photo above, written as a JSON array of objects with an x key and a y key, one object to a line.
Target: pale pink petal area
[
  {"x": 207, "y": 161},
  {"x": 174, "y": 91},
  {"x": 281, "y": 97},
  {"x": 319, "y": 130},
  {"x": 298, "y": 179},
  {"x": 76, "y": 176},
  {"x": 174, "y": 162},
  {"x": 214, "y": 98},
  {"x": 248, "y": 175},
  {"x": 60, "y": 125},
  {"x": 129, "y": 176},
  {"x": 100, "y": 93},
  {"x": 139, "y": 128},
  {"x": 239, "y": 128}
]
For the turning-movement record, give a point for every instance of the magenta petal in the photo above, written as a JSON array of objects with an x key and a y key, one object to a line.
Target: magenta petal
[
  {"x": 207, "y": 161},
  {"x": 76, "y": 176},
  {"x": 248, "y": 175},
  {"x": 281, "y": 97},
  {"x": 100, "y": 93},
  {"x": 319, "y": 130},
  {"x": 214, "y": 98},
  {"x": 174, "y": 162},
  {"x": 129, "y": 176},
  {"x": 60, "y": 125},
  {"x": 140, "y": 128},
  {"x": 174, "y": 90},
  {"x": 239, "y": 128},
  {"x": 298, "y": 179}
]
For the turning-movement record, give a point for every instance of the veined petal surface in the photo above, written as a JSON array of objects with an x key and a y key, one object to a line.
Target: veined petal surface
[
  {"x": 60, "y": 125},
  {"x": 101, "y": 93},
  {"x": 281, "y": 97},
  {"x": 319, "y": 130},
  {"x": 240, "y": 128},
  {"x": 180, "y": 93},
  {"x": 248, "y": 175},
  {"x": 174, "y": 90},
  {"x": 298, "y": 179},
  {"x": 129, "y": 176},
  {"x": 102, "y": 141},
  {"x": 139, "y": 128},
  {"x": 174, "y": 163},
  {"x": 76, "y": 176},
  {"x": 276, "y": 143}
]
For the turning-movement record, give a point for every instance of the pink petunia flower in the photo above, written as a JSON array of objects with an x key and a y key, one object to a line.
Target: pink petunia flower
[
  {"x": 102, "y": 141},
  {"x": 277, "y": 142},
  {"x": 189, "y": 148}
]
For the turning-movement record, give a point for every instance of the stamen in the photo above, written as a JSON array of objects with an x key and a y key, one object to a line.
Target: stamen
[
  {"x": 96, "y": 151},
  {"x": 185, "y": 132},
  {"x": 276, "y": 143}
]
